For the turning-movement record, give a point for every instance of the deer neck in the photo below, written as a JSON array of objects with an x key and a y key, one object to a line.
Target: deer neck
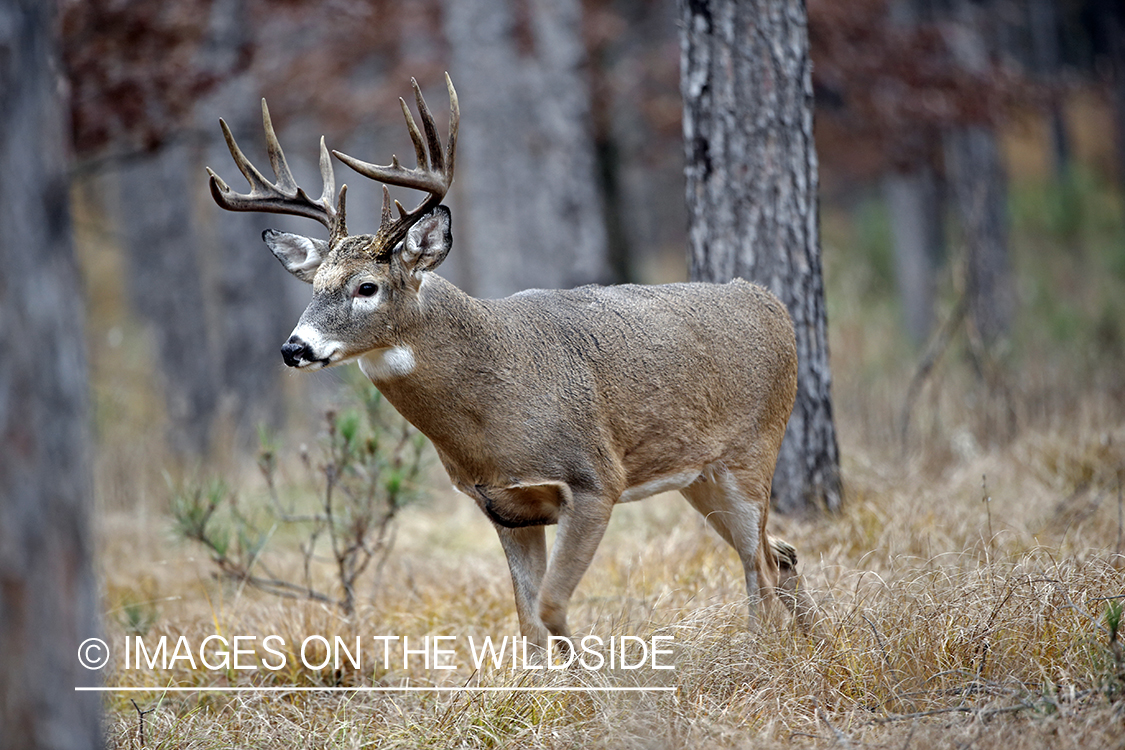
[{"x": 445, "y": 347}]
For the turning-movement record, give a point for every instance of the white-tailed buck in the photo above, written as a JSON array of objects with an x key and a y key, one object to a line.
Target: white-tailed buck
[{"x": 547, "y": 407}]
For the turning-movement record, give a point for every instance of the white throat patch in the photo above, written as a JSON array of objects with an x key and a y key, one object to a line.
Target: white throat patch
[{"x": 384, "y": 364}]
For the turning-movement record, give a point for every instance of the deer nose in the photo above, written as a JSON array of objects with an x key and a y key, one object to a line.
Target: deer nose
[{"x": 293, "y": 351}]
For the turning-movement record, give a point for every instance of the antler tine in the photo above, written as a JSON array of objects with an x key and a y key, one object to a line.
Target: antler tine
[
  {"x": 454, "y": 124},
  {"x": 415, "y": 136},
  {"x": 434, "y": 172},
  {"x": 285, "y": 181},
  {"x": 283, "y": 196},
  {"x": 437, "y": 158},
  {"x": 328, "y": 176},
  {"x": 386, "y": 217},
  {"x": 249, "y": 171}
]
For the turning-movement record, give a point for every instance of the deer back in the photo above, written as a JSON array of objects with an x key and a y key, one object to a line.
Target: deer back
[{"x": 615, "y": 386}]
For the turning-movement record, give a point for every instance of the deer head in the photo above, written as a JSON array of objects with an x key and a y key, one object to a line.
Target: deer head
[{"x": 363, "y": 285}]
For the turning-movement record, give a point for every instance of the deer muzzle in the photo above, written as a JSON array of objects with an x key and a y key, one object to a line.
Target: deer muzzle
[{"x": 297, "y": 353}]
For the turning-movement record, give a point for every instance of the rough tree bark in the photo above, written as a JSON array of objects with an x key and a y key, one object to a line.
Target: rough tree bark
[
  {"x": 48, "y": 598},
  {"x": 752, "y": 183},
  {"x": 527, "y": 177}
]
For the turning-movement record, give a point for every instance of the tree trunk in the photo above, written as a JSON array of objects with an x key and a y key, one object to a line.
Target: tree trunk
[
  {"x": 527, "y": 179},
  {"x": 913, "y": 194},
  {"x": 1044, "y": 26},
  {"x": 643, "y": 185},
  {"x": 752, "y": 200},
  {"x": 914, "y": 204},
  {"x": 166, "y": 287},
  {"x": 1110, "y": 17},
  {"x": 979, "y": 187},
  {"x": 48, "y": 599}
]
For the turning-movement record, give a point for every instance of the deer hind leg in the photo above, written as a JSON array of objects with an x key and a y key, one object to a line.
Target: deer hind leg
[
  {"x": 790, "y": 587},
  {"x": 736, "y": 504}
]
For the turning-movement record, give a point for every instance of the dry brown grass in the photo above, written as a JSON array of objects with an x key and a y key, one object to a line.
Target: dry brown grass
[
  {"x": 936, "y": 631},
  {"x": 948, "y": 620}
]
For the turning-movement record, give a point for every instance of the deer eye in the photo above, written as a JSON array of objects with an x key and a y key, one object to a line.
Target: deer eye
[{"x": 367, "y": 289}]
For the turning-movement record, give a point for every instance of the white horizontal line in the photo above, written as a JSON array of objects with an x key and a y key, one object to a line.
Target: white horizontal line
[{"x": 409, "y": 689}]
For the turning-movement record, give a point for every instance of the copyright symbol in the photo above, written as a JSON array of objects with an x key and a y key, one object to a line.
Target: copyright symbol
[{"x": 93, "y": 653}]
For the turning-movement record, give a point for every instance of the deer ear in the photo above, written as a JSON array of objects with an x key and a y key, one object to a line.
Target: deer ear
[
  {"x": 428, "y": 241},
  {"x": 301, "y": 256}
]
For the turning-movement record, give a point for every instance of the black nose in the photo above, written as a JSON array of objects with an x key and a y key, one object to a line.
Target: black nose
[{"x": 293, "y": 351}]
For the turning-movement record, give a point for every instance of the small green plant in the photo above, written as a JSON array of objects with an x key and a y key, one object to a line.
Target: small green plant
[
  {"x": 875, "y": 243},
  {"x": 368, "y": 470},
  {"x": 136, "y": 616}
]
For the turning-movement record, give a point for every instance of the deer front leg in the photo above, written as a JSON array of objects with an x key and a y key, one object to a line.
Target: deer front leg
[
  {"x": 526, "y": 550},
  {"x": 582, "y": 523}
]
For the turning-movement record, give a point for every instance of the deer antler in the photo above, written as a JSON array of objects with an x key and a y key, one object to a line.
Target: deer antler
[
  {"x": 283, "y": 196},
  {"x": 433, "y": 175}
]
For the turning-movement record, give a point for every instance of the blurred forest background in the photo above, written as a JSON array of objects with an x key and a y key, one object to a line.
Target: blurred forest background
[
  {"x": 972, "y": 207},
  {"x": 957, "y": 140}
]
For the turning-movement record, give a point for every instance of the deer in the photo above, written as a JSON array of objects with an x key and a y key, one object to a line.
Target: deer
[{"x": 548, "y": 407}]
